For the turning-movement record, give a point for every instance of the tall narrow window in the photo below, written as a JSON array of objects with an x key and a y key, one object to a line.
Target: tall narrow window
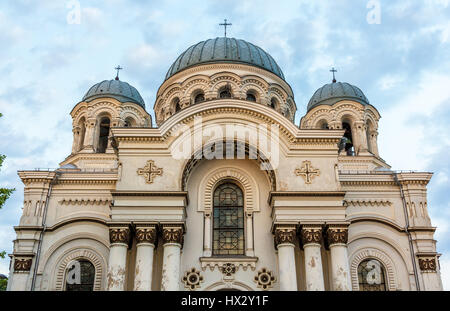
[
  {"x": 225, "y": 92},
  {"x": 274, "y": 103},
  {"x": 346, "y": 141},
  {"x": 228, "y": 226},
  {"x": 80, "y": 276},
  {"x": 371, "y": 276},
  {"x": 104, "y": 134},
  {"x": 251, "y": 97}
]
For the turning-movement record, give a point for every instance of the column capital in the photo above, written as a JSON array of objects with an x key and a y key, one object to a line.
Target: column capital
[
  {"x": 337, "y": 234},
  {"x": 284, "y": 234},
  {"x": 173, "y": 233},
  {"x": 311, "y": 234},
  {"x": 146, "y": 234},
  {"x": 427, "y": 263},
  {"x": 22, "y": 264},
  {"x": 119, "y": 235}
]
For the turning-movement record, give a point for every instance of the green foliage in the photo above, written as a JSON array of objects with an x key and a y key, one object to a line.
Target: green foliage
[{"x": 3, "y": 284}]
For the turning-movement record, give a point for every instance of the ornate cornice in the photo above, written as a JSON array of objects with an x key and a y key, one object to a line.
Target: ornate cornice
[
  {"x": 100, "y": 201},
  {"x": 367, "y": 203}
]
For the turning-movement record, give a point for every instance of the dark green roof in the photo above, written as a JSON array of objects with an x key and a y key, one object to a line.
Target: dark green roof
[
  {"x": 227, "y": 50},
  {"x": 331, "y": 93},
  {"x": 117, "y": 89}
]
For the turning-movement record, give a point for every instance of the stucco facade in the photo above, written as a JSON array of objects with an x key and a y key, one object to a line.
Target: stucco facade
[{"x": 142, "y": 208}]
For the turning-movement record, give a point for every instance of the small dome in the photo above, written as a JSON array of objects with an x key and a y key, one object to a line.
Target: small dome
[
  {"x": 224, "y": 50},
  {"x": 116, "y": 89},
  {"x": 331, "y": 93}
]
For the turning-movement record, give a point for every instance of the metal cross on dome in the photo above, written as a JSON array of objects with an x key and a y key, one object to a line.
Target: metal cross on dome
[
  {"x": 225, "y": 24},
  {"x": 333, "y": 71},
  {"x": 118, "y": 68}
]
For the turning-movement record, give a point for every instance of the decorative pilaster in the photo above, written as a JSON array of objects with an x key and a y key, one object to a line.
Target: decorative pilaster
[
  {"x": 284, "y": 243},
  {"x": 249, "y": 236},
  {"x": 430, "y": 274},
  {"x": 119, "y": 238},
  {"x": 145, "y": 244},
  {"x": 207, "y": 247},
  {"x": 311, "y": 236},
  {"x": 21, "y": 268},
  {"x": 172, "y": 235},
  {"x": 337, "y": 236}
]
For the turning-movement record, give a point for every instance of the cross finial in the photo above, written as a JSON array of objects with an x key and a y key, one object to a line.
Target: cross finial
[
  {"x": 225, "y": 24},
  {"x": 118, "y": 68},
  {"x": 333, "y": 71}
]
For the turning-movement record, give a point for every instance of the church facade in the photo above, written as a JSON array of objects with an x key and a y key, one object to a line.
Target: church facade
[{"x": 226, "y": 192}]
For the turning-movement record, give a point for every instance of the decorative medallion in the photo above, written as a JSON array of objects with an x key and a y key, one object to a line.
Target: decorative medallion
[
  {"x": 311, "y": 235},
  {"x": 427, "y": 264},
  {"x": 172, "y": 234},
  {"x": 228, "y": 269},
  {"x": 307, "y": 172},
  {"x": 192, "y": 279},
  {"x": 146, "y": 235},
  {"x": 284, "y": 234},
  {"x": 119, "y": 235},
  {"x": 337, "y": 235},
  {"x": 23, "y": 265},
  {"x": 265, "y": 279},
  {"x": 150, "y": 171}
]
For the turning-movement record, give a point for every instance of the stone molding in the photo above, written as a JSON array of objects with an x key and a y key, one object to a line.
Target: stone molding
[
  {"x": 219, "y": 262},
  {"x": 150, "y": 171},
  {"x": 307, "y": 172},
  {"x": 365, "y": 203},
  {"x": 383, "y": 258},
  {"x": 87, "y": 254},
  {"x": 100, "y": 201}
]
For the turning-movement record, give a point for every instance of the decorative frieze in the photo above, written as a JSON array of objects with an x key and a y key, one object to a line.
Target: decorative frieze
[
  {"x": 220, "y": 262},
  {"x": 311, "y": 234},
  {"x": 150, "y": 171},
  {"x": 119, "y": 235},
  {"x": 172, "y": 234},
  {"x": 146, "y": 235},
  {"x": 365, "y": 203},
  {"x": 337, "y": 235},
  {"x": 265, "y": 279},
  {"x": 427, "y": 264},
  {"x": 22, "y": 264},
  {"x": 284, "y": 234},
  {"x": 307, "y": 172}
]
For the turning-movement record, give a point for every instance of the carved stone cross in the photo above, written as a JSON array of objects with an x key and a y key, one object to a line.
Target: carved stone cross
[
  {"x": 150, "y": 171},
  {"x": 307, "y": 172}
]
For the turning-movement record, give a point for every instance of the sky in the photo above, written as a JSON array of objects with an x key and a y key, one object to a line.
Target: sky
[{"x": 396, "y": 51}]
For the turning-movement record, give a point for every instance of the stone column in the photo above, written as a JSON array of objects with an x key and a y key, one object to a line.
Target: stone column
[
  {"x": 173, "y": 242},
  {"x": 207, "y": 236},
  {"x": 337, "y": 236},
  {"x": 429, "y": 268},
  {"x": 22, "y": 268},
  {"x": 249, "y": 236},
  {"x": 360, "y": 131},
  {"x": 311, "y": 240},
  {"x": 89, "y": 139},
  {"x": 76, "y": 139},
  {"x": 284, "y": 243},
  {"x": 119, "y": 238},
  {"x": 145, "y": 245},
  {"x": 373, "y": 142}
]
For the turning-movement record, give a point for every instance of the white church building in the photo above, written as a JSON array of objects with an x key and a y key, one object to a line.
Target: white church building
[{"x": 223, "y": 191}]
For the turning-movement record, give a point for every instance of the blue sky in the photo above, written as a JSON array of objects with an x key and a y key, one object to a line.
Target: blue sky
[{"x": 401, "y": 63}]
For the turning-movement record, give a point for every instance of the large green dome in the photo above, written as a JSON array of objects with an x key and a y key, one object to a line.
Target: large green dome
[
  {"x": 117, "y": 89},
  {"x": 227, "y": 50}
]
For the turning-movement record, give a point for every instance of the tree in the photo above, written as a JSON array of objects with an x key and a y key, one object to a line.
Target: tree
[{"x": 5, "y": 193}]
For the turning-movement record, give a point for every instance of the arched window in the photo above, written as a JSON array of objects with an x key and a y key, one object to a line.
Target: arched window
[
  {"x": 251, "y": 96},
  {"x": 200, "y": 97},
  {"x": 274, "y": 103},
  {"x": 176, "y": 104},
  {"x": 347, "y": 139},
  {"x": 323, "y": 125},
  {"x": 228, "y": 223},
  {"x": 371, "y": 276},
  {"x": 129, "y": 122},
  {"x": 80, "y": 276},
  {"x": 103, "y": 135},
  {"x": 225, "y": 92}
]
